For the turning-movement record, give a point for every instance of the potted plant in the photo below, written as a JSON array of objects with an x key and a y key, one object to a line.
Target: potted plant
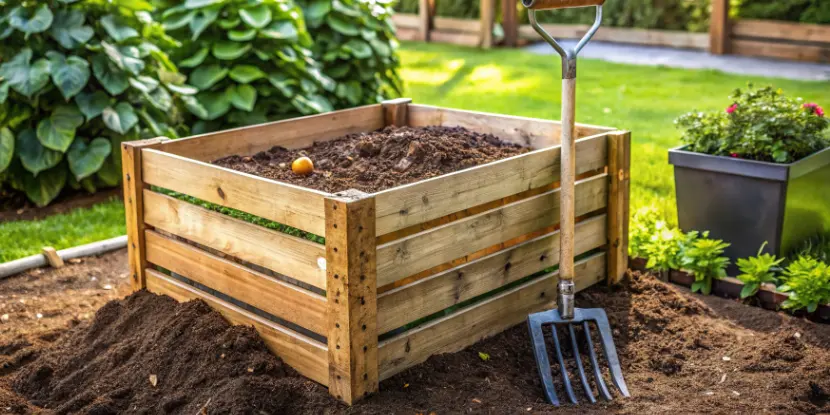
[{"x": 757, "y": 172}]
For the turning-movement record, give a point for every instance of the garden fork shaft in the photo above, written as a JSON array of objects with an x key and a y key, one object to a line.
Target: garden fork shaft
[{"x": 566, "y": 314}]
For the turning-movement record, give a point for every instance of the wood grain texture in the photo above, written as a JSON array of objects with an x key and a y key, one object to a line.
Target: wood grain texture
[
  {"x": 719, "y": 33},
  {"x": 487, "y": 21},
  {"x": 407, "y": 256},
  {"x": 396, "y": 111},
  {"x": 283, "y": 203},
  {"x": 294, "y": 133},
  {"x": 285, "y": 254},
  {"x": 529, "y": 132},
  {"x": 307, "y": 356},
  {"x": 619, "y": 182},
  {"x": 791, "y": 31},
  {"x": 52, "y": 257},
  {"x": 409, "y": 303},
  {"x": 275, "y": 297},
  {"x": 567, "y": 195},
  {"x": 510, "y": 22},
  {"x": 133, "y": 183},
  {"x": 806, "y": 53},
  {"x": 416, "y": 203},
  {"x": 471, "y": 39},
  {"x": 424, "y": 19},
  {"x": 352, "y": 297},
  {"x": 475, "y": 323}
]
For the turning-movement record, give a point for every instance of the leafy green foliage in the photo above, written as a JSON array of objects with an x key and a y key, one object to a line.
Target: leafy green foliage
[
  {"x": 355, "y": 42},
  {"x": 805, "y": 11},
  {"x": 760, "y": 124},
  {"x": 757, "y": 270},
  {"x": 808, "y": 282},
  {"x": 703, "y": 258},
  {"x": 817, "y": 248},
  {"x": 247, "y": 62},
  {"x": 663, "y": 247},
  {"x": 78, "y": 78},
  {"x": 643, "y": 226}
]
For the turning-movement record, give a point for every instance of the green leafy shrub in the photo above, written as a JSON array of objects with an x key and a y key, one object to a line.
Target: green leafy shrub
[
  {"x": 757, "y": 270},
  {"x": 663, "y": 247},
  {"x": 805, "y": 11},
  {"x": 703, "y": 258},
  {"x": 78, "y": 78},
  {"x": 817, "y": 248},
  {"x": 355, "y": 42},
  {"x": 760, "y": 124},
  {"x": 248, "y": 62},
  {"x": 808, "y": 283},
  {"x": 643, "y": 226}
]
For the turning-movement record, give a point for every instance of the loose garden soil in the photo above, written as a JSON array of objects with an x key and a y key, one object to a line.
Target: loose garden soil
[
  {"x": 680, "y": 352},
  {"x": 379, "y": 160}
]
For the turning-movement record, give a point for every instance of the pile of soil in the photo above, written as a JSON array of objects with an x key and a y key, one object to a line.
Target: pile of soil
[
  {"x": 379, "y": 160},
  {"x": 680, "y": 353}
]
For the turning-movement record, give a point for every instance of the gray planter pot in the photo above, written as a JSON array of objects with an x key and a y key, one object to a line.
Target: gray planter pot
[{"x": 747, "y": 202}]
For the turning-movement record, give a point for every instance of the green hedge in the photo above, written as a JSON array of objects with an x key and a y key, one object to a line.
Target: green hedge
[{"x": 804, "y": 11}]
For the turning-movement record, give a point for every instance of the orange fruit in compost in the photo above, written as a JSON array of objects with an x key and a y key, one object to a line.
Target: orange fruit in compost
[{"x": 303, "y": 166}]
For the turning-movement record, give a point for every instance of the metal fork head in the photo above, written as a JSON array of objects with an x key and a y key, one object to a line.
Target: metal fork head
[{"x": 582, "y": 317}]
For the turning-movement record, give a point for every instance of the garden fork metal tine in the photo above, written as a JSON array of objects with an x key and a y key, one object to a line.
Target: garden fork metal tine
[
  {"x": 565, "y": 379},
  {"x": 584, "y": 378},
  {"x": 603, "y": 390},
  {"x": 608, "y": 347},
  {"x": 540, "y": 351}
]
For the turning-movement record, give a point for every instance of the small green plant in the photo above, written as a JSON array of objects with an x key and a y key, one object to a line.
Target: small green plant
[
  {"x": 643, "y": 226},
  {"x": 703, "y": 258},
  {"x": 757, "y": 270},
  {"x": 759, "y": 124},
  {"x": 663, "y": 247},
  {"x": 807, "y": 280},
  {"x": 817, "y": 248}
]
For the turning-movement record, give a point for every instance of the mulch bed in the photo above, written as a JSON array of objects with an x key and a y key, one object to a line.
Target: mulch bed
[
  {"x": 681, "y": 353},
  {"x": 379, "y": 160}
]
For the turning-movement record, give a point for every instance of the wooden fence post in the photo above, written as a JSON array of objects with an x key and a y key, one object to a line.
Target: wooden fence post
[
  {"x": 510, "y": 22},
  {"x": 719, "y": 30},
  {"x": 488, "y": 18},
  {"x": 619, "y": 177},
  {"x": 134, "y": 207},
  {"x": 351, "y": 290},
  {"x": 425, "y": 19}
]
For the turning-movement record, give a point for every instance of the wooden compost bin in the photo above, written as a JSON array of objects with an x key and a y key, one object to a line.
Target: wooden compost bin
[{"x": 390, "y": 258}]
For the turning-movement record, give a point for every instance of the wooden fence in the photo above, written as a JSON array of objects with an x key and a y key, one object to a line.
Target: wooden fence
[{"x": 762, "y": 38}]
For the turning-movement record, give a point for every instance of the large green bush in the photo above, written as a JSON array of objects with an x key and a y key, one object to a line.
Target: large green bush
[
  {"x": 250, "y": 62},
  {"x": 78, "y": 78},
  {"x": 355, "y": 42},
  {"x": 805, "y": 11}
]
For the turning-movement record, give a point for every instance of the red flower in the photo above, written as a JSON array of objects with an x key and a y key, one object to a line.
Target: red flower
[
  {"x": 731, "y": 108},
  {"x": 735, "y": 155},
  {"x": 814, "y": 108}
]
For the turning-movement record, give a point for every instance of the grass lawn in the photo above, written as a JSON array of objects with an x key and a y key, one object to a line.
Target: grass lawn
[{"x": 645, "y": 100}]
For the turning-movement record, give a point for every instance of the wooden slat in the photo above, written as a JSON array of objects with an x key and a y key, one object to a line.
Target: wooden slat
[
  {"x": 416, "y": 203},
  {"x": 352, "y": 297},
  {"x": 407, "y": 256},
  {"x": 307, "y": 356},
  {"x": 430, "y": 295},
  {"x": 285, "y": 254},
  {"x": 455, "y": 38},
  {"x": 529, "y": 132},
  {"x": 405, "y": 20},
  {"x": 396, "y": 111},
  {"x": 488, "y": 20},
  {"x": 294, "y": 133},
  {"x": 807, "y": 53},
  {"x": 510, "y": 22},
  {"x": 619, "y": 177},
  {"x": 770, "y": 29},
  {"x": 471, "y": 325},
  {"x": 652, "y": 37},
  {"x": 451, "y": 24},
  {"x": 424, "y": 19},
  {"x": 133, "y": 182},
  {"x": 275, "y": 297},
  {"x": 406, "y": 33},
  {"x": 280, "y": 202}
]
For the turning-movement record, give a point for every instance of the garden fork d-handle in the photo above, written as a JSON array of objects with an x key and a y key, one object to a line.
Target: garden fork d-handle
[{"x": 566, "y": 288}]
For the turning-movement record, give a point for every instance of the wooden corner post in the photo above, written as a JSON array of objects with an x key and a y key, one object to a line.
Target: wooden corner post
[
  {"x": 424, "y": 19},
  {"x": 619, "y": 177},
  {"x": 351, "y": 291},
  {"x": 396, "y": 111},
  {"x": 134, "y": 207}
]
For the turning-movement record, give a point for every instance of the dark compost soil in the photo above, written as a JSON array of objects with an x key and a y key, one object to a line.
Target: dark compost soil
[
  {"x": 681, "y": 353},
  {"x": 379, "y": 160}
]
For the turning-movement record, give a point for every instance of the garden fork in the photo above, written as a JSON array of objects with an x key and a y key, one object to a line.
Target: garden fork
[{"x": 565, "y": 314}]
